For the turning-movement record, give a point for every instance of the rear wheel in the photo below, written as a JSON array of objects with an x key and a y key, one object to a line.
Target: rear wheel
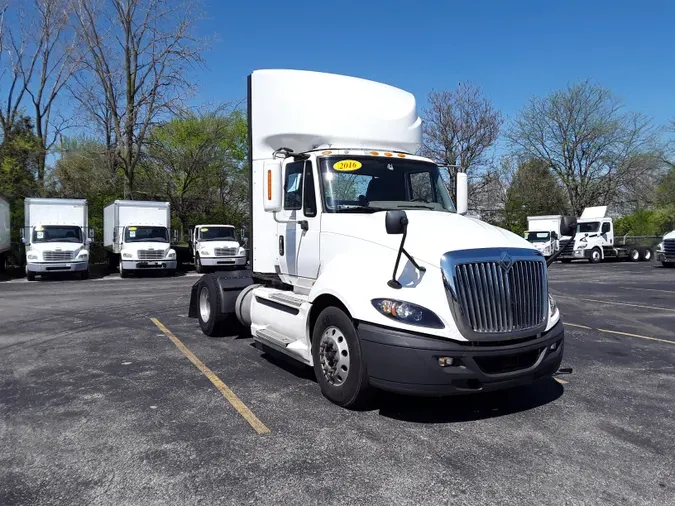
[
  {"x": 646, "y": 254},
  {"x": 634, "y": 255},
  {"x": 338, "y": 362},
  {"x": 596, "y": 256}
]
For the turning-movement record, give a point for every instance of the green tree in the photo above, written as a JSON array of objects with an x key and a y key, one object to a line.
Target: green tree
[{"x": 534, "y": 191}]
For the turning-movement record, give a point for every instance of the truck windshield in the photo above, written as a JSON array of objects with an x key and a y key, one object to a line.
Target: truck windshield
[
  {"x": 592, "y": 226},
  {"x": 217, "y": 234},
  {"x": 362, "y": 184},
  {"x": 538, "y": 236},
  {"x": 57, "y": 233},
  {"x": 146, "y": 234}
]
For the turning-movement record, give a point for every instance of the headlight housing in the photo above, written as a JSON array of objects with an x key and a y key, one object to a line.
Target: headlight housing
[
  {"x": 32, "y": 256},
  {"x": 660, "y": 247},
  {"x": 553, "y": 305},
  {"x": 171, "y": 254},
  {"x": 406, "y": 312},
  {"x": 204, "y": 251},
  {"x": 127, "y": 255}
]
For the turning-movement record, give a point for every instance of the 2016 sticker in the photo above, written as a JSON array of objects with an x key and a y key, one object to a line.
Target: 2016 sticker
[
  {"x": 205, "y": 229},
  {"x": 347, "y": 165}
]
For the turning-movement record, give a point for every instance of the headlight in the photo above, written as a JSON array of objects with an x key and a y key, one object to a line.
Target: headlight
[
  {"x": 31, "y": 256},
  {"x": 406, "y": 312},
  {"x": 552, "y": 304},
  {"x": 660, "y": 247},
  {"x": 127, "y": 255},
  {"x": 172, "y": 254},
  {"x": 204, "y": 251}
]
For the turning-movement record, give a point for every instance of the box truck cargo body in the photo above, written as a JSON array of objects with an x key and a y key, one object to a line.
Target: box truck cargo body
[
  {"x": 57, "y": 236},
  {"x": 136, "y": 236},
  {"x": 362, "y": 266}
]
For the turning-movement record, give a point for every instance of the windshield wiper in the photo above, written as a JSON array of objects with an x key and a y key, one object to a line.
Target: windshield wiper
[{"x": 372, "y": 209}]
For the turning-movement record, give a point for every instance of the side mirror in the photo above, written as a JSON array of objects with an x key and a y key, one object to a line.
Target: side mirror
[
  {"x": 272, "y": 187},
  {"x": 115, "y": 235},
  {"x": 462, "y": 193},
  {"x": 568, "y": 226},
  {"x": 90, "y": 233},
  {"x": 174, "y": 234},
  {"x": 396, "y": 222},
  {"x": 23, "y": 235}
]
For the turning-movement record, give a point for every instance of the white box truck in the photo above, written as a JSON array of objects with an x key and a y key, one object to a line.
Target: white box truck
[
  {"x": 57, "y": 236},
  {"x": 665, "y": 251},
  {"x": 136, "y": 236},
  {"x": 216, "y": 247},
  {"x": 544, "y": 233},
  {"x": 362, "y": 266},
  {"x": 5, "y": 233},
  {"x": 594, "y": 241}
]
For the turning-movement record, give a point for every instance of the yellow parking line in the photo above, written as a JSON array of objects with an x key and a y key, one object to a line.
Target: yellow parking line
[
  {"x": 577, "y": 325},
  {"x": 636, "y": 335},
  {"x": 243, "y": 410}
]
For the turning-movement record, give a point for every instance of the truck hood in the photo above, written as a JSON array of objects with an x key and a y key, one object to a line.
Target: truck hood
[
  {"x": 54, "y": 246},
  {"x": 669, "y": 235},
  {"x": 430, "y": 233}
]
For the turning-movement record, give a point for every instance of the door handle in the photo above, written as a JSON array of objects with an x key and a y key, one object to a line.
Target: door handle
[{"x": 281, "y": 245}]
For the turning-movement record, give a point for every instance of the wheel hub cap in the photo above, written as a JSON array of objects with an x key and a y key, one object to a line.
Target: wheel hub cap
[
  {"x": 204, "y": 305},
  {"x": 334, "y": 356}
]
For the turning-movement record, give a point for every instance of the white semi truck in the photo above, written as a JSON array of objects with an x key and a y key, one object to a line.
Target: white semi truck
[
  {"x": 665, "y": 252},
  {"x": 544, "y": 233},
  {"x": 136, "y": 235},
  {"x": 362, "y": 266},
  {"x": 216, "y": 247},
  {"x": 57, "y": 236},
  {"x": 595, "y": 241},
  {"x": 5, "y": 233}
]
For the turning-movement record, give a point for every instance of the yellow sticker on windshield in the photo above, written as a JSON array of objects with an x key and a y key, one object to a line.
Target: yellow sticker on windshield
[
  {"x": 205, "y": 230},
  {"x": 132, "y": 228},
  {"x": 347, "y": 165}
]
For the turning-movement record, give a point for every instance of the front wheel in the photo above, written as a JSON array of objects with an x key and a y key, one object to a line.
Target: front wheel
[
  {"x": 596, "y": 256},
  {"x": 123, "y": 272},
  {"x": 30, "y": 276},
  {"x": 338, "y": 363},
  {"x": 84, "y": 275},
  {"x": 198, "y": 265}
]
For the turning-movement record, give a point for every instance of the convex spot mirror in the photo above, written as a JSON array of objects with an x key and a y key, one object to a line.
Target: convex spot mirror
[{"x": 272, "y": 187}]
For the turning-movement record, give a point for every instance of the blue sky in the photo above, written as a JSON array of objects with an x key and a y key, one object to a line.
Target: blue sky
[{"x": 512, "y": 49}]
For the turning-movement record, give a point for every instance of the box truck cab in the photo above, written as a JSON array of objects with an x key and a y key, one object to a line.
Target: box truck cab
[
  {"x": 5, "y": 233},
  {"x": 665, "y": 252},
  {"x": 362, "y": 266},
  {"x": 57, "y": 236},
  {"x": 137, "y": 236},
  {"x": 544, "y": 233},
  {"x": 216, "y": 247}
]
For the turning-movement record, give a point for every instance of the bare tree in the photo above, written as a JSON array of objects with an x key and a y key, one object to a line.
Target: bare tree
[
  {"x": 459, "y": 127},
  {"x": 591, "y": 144},
  {"x": 138, "y": 53},
  {"x": 40, "y": 54}
]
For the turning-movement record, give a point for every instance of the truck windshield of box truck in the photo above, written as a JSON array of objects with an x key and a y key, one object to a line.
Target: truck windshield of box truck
[
  {"x": 57, "y": 233},
  {"x": 217, "y": 234},
  {"x": 367, "y": 184},
  {"x": 146, "y": 234},
  {"x": 538, "y": 236}
]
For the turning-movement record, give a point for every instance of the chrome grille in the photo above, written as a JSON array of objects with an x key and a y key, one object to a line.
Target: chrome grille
[
  {"x": 57, "y": 256},
  {"x": 225, "y": 252},
  {"x": 669, "y": 246},
  {"x": 494, "y": 299},
  {"x": 146, "y": 254}
]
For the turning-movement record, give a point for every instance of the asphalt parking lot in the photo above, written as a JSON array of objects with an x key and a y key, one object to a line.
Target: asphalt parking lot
[{"x": 101, "y": 406}]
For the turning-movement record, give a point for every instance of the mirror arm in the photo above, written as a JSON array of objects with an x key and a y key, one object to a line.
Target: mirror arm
[
  {"x": 304, "y": 225},
  {"x": 392, "y": 283}
]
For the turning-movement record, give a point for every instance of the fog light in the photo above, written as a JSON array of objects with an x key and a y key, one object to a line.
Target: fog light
[
  {"x": 445, "y": 361},
  {"x": 553, "y": 346}
]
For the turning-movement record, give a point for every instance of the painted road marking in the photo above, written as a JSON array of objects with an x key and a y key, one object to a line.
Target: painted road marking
[
  {"x": 649, "y": 289},
  {"x": 617, "y": 303},
  {"x": 637, "y": 335},
  {"x": 243, "y": 410},
  {"x": 577, "y": 325},
  {"x": 562, "y": 382}
]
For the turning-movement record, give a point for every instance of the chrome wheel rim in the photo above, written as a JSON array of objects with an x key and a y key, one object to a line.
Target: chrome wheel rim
[
  {"x": 596, "y": 255},
  {"x": 635, "y": 255},
  {"x": 648, "y": 254},
  {"x": 334, "y": 356},
  {"x": 204, "y": 305}
]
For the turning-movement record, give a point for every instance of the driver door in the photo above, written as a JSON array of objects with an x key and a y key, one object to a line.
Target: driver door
[{"x": 299, "y": 227}]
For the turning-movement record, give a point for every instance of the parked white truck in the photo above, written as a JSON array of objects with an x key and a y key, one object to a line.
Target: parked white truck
[
  {"x": 595, "y": 241},
  {"x": 5, "y": 233},
  {"x": 57, "y": 236},
  {"x": 136, "y": 235},
  {"x": 362, "y": 266},
  {"x": 216, "y": 247},
  {"x": 665, "y": 252},
  {"x": 544, "y": 233}
]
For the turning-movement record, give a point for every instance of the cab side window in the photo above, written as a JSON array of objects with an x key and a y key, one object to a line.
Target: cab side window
[
  {"x": 293, "y": 186},
  {"x": 605, "y": 228}
]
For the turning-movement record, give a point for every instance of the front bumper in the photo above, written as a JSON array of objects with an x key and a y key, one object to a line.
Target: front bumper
[
  {"x": 44, "y": 267},
  {"x": 222, "y": 261},
  {"x": 581, "y": 253},
  {"x": 134, "y": 265},
  {"x": 408, "y": 363},
  {"x": 662, "y": 256}
]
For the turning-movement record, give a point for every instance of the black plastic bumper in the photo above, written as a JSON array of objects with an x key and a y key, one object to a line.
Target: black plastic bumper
[{"x": 409, "y": 363}]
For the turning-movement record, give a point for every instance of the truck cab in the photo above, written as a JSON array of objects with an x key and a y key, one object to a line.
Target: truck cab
[
  {"x": 362, "y": 266},
  {"x": 216, "y": 247},
  {"x": 595, "y": 235},
  {"x": 545, "y": 241},
  {"x": 144, "y": 247},
  {"x": 56, "y": 236},
  {"x": 665, "y": 252}
]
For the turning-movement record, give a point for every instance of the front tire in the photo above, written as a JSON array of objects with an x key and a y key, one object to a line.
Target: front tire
[
  {"x": 123, "y": 273},
  {"x": 668, "y": 265},
  {"x": 30, "y": 276},
  {"x": 198, "y": 265},
  {"x": 596, "y": 256},
  {"x": 84, "y": 275},
  {"x": 338, "y": 363}
]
